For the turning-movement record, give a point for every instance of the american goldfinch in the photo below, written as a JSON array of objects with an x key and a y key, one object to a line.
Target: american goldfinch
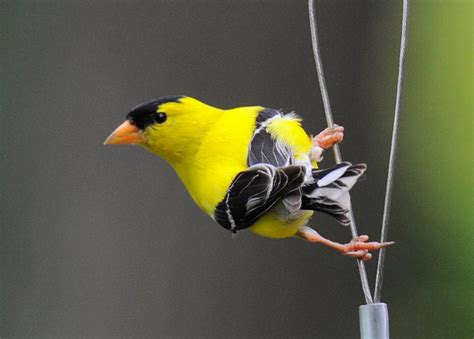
[{"x": 249, "y": 167}]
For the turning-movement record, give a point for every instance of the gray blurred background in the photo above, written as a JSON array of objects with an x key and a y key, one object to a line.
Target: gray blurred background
[{"x": 105, "y": 242}]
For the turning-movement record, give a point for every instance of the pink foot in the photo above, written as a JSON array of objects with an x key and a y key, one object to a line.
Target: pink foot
[
  {"x": 359, "y": 247},
  {"x": 326, "y": 139}
]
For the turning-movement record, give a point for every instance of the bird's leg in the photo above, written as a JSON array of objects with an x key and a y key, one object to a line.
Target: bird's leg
[
  {"x": 324, "y": 140},
  {"x": 357, "y": 248}
]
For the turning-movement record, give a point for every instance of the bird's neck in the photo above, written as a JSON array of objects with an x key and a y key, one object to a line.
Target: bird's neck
[{"x": 184, "y": 142}]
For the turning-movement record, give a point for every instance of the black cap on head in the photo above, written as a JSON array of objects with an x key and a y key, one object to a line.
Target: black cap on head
[{"x": 143, "y": 115}]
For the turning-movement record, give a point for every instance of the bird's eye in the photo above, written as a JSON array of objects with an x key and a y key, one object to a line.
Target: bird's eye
[{"x": 159, "y": 117}]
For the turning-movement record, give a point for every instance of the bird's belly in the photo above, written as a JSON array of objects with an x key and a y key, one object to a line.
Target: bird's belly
[{"x": 273, "y": 225}]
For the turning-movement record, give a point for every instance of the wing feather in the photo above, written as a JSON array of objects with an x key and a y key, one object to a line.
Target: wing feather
[
  {"x": 265, "y": 148},
  {"x": 254, "y": 191}
]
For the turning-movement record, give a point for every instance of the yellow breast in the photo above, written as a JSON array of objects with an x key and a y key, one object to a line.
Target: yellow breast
[
  {"x": 271, "y": 226},
  {"x": 220, "y": 157}
]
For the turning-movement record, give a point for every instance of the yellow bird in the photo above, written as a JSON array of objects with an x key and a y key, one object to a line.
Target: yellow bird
[{"x": 249, "y": 167}]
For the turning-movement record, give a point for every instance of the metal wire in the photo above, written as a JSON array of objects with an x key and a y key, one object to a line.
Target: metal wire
[
  {"x": 330, "y": 122},
  {"x": 393, "y": 151},
  {"x": 321, "y": 78}
]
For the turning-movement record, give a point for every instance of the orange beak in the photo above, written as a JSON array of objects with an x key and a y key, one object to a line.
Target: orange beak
[{"x": 126, "y": 133}]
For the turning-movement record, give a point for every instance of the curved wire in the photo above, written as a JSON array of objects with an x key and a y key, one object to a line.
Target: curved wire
[
  {"x": 337, "y": 153},
  {"x": 321, "y": 78},
  {"x": 393, "y": 151}
]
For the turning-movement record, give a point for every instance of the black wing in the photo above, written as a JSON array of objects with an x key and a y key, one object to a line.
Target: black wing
[
  {"x": 254, "y": 191},
  {"x": 263, "y": 148}
]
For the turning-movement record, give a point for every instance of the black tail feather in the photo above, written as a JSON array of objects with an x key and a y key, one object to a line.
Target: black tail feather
[{"x": 329, "y": 191}]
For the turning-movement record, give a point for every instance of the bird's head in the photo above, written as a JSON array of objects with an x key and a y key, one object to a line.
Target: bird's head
[{"x": 168, "y": 126}]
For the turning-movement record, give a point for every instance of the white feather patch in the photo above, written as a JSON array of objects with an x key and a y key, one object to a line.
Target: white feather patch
[{"x": 333, "y": 176}]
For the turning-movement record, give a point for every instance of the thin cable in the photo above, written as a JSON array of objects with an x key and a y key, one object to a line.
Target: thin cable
[
  {"x": 320, "y": 71},
  {"x": 393, "y": 151},
  {"x": 337, "y": 153}
]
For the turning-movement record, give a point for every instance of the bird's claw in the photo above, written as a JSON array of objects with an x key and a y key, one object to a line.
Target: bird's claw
[
  {"x": 329, "y": 137},
  {"x": 359, "y": 247},
  {"x": 324, "y": 140}
]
